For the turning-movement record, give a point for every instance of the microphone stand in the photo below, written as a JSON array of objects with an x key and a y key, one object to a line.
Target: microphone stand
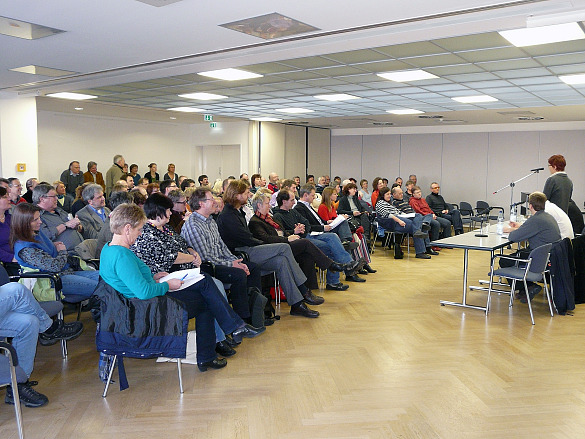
[
  {"x": 481, "y": 234},
  {"x": 511, "y": 186}
]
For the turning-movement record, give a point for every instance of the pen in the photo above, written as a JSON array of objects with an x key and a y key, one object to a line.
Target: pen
[{"x": 183, "y": 278}]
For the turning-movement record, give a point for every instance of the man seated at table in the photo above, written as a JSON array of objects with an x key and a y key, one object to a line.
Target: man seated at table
[
  {"x": 444, "y": 210},
  {"x": 541, "y": 228}
]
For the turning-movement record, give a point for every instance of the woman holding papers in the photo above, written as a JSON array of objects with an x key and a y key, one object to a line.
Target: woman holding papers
[{"x": 124, "y": 271}]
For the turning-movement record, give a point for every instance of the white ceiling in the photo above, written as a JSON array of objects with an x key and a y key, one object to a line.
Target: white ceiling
[{"x": 132, "y": 54}]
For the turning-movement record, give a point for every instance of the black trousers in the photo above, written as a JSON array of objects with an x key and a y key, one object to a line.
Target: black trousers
[{"x": 307, "y": 255}]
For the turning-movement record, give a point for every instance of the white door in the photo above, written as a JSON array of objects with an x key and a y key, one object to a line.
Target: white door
[{"x": 216, "y": 161}]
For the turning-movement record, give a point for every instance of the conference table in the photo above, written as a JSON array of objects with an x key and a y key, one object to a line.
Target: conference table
[{"x": 469, "y": 241}]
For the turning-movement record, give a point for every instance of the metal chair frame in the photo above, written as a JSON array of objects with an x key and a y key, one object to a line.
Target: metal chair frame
[{"x": 10, "y": 353}]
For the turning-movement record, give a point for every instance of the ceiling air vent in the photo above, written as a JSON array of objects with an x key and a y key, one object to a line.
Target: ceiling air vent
[
  {"x": 453, "y": 121},
  {"x": 382, "y": 124},
  {"x": 428, "y": 116},
  {"x": 515, "y": 113},
  {"x": 531, "y": 118},
  {"x": 158, "y": 3}
]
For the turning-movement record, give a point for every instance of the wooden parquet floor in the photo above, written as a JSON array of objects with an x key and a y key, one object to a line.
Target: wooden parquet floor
[{"x": 384, "y": 360}]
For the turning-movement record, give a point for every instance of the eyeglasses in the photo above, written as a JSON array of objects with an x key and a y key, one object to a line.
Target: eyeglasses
[
  {"x": 436, "y": 187},
  {"x": 181, "y": 202}
]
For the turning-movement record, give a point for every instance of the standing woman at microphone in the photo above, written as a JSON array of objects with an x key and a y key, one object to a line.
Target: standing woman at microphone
[{"x": 558, "y": 188}]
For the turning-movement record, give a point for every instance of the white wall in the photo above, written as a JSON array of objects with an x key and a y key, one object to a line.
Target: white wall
[{"x": 470, "y": 165}]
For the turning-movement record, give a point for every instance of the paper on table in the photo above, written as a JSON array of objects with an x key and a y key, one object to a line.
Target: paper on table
[
  {"x": 192, "y": 277},
  {"x": 337, "y": 221},
  {"x": 407, "y": 215}
]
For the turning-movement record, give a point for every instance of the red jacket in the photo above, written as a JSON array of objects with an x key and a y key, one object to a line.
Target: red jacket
[{"x": 420, "y": 206}]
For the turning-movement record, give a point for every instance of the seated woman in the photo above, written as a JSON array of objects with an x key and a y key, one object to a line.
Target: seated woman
[
  {"x": 386, "y": 211},
  {"x": 328, "y": 213},
  {"x": 33, "y": 249},
  {"x": 79, "y": 203},
  {"x": 131, "y": 277},
  {"x": 255, "y": 183},
  {"x": 6, "y": 252},
  {"x": 363, "y": 192},
  {"x": 152, "y": 188},
  {"x": 264, "y": 228},
  {"x": 162, "y": 249},
  {"x": 377, "y": 184}
]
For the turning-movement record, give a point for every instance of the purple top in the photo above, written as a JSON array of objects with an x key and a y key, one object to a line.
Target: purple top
[{"x": 6, "y": 253}]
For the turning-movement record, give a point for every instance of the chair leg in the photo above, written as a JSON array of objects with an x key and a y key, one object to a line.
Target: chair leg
[
  {"x": 180, "y": 375},
  {"x": 63, "y": 342},
  {"x": 16, "y": 397},
  {"x": 79, "y": 311},
  {"x": 548, "y": 295},
  {"x": 110, "y": 373},
  {"x": 489, "y": 297},
  {"x": 529, "y": 301},
  {"x": 512, "y": 292}
]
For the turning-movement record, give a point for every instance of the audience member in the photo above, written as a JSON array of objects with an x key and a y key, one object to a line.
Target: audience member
[
  {"x": 14, "y": 191},
  {"x": 93, "y": 216},
  {"x": 377, "y": 184},
  {"x": 138, "y": 196},
  {"x": 79, "y": 203},
  {"x": 413, "y": 178},
  {"x": 399, "y": 181},
  {"x": 105, "y": 234},
  {"x": 6, "y": 252},
  {"x": 72, "y": 177},
  {"x": 134, "y": 173},
  {"x": 562, "y": 219},
  {"x": 255, "y": 182},
  {"x": 152, "y": 188},
  {"x": 273, "y": 182},
  {"x": 64, "y": 200},
  {"x": 170, "y": 175},
  {"x": 420, "y": 205},
  {"x": 203, "y": 180},
  {"x": 284, "y": 185},
  {"x": 244, "y": 176},
  {"x": 34, "y": 249},
  {"x": 55, "y": 223},
  {"x": 114, "y": 173},
  {"x": 310, "y": 179},
  {"x": 187, "y": 182},
  {"x": 93, "y": 176},
  {"x": 166, "y": 186},
  {"x": 152, "y": 175},
  {"x": 401, "y": 204},
  {"x": 321, "y": 184},
  {"x": 349, "y": 205},
  {"x": 179, "y": 212},
  {"x": 444, "y": 210},
  {"x": 143, "y": 182},
  {"x": 30, "y": 185}
]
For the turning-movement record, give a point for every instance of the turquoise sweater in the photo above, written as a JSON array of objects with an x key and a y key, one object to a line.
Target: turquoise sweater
[{"x": 123, "y": 271}]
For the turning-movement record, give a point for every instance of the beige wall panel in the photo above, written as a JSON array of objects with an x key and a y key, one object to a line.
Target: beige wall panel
[{"x": 319, "y": 147}]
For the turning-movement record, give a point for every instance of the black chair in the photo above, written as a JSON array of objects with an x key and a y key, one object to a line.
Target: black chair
[
  {"x": 12, "y": 374},
  {"x": 482, "y": 208},
  {"x": 467, "y": 214}
]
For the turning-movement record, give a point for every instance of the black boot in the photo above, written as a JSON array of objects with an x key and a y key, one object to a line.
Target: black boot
[{"x": 398, "y": 254}]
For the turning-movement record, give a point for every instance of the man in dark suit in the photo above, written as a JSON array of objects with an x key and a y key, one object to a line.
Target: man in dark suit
[
  {"x": 94, "y": 215},
  {"x": 72, "y": 177}
]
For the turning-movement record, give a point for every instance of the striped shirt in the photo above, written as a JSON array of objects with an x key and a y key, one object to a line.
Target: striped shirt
[{"x": 203, "y": 236}]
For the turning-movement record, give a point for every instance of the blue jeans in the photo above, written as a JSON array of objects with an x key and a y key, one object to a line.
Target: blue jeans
[
  {"x": 79, "y": 285},
  {"x": 343, "y": 231},
  {"x": 330, "y": 244},
  {"x": 22, "y": 318},
  {"x": 412, "y": 225}
]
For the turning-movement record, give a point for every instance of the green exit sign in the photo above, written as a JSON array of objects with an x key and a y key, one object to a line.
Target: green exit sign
[
  {"x": 208, "y": 117},
  {"x": 213, "y": 124}
]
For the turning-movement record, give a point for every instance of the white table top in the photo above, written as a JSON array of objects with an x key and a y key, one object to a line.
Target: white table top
[{"x": 469, "y": 241}]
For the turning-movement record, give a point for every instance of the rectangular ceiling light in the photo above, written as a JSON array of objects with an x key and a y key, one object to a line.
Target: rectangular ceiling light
[
  {"x": 44, "y": 71},
  {"x": 405, "y": 111},
  {"x": 336, "y": 97},
  {"x": 72, "y": 96},
  {"x": 294, "y": 110},
  {"x": 230, "y": 74},
  {"x": 474, "y": 99},
  {"x": 265, "y": 119},
  {"x": 25, "y": 30},
  {"x": 407, "y": 75},
  {"x": 573, "y": 79},
  {"x": 202, "y": 96},
  {"x": 544, "y": 34},
  {"x": 187, "y": 109}
]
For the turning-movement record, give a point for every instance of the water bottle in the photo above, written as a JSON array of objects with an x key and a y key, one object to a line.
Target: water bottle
[
  {"x": 500, "y": 227},
  {"x": 513, "y": 214}
]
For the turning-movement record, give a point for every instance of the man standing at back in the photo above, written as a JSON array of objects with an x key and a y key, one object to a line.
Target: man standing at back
[
  {"x": 72, "y": 178},
  {"x": 114, "y": 173}
]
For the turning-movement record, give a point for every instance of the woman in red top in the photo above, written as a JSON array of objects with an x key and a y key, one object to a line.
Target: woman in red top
[
  {"x": 377, "y": 184},
  {"x": 327, "y": 211}
]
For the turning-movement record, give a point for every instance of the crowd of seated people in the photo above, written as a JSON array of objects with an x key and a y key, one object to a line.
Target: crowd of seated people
[{"x": 242, "y": 228}]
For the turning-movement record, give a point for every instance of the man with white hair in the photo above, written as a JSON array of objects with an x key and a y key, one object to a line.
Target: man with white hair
[
  {"x": 93, "y": 216},
  {"x": 273, "y": 182},
  {"x": 114, "y": 173}
]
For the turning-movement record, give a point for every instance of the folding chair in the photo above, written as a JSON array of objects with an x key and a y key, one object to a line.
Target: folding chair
[{"x": 12, "y": 374}]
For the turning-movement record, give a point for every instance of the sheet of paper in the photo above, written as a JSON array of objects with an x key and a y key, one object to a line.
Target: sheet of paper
[
  {"x": 189, "y": 277},
  {"x": 337, "y": 221}
]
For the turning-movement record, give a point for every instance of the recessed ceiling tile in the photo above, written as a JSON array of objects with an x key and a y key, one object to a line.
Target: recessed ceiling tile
[
  {"x": 444, "y": 87},
  {"x": 256, "y": 89},
  {"x": 384, "y": 66},
  {"x": 459, "y": 69},
  {"x": 151, "y": 92},
  {"x": 322, "y": 82},
  {"x": 267, "y": 68},
  {"x": 310, "y": 62},
  {"x": 357, "y": 56},
  {"x": 568, "y": 69},
  {"x": 447, "y": 59},
  {"x": 114, "y": 88},
  {"x": 338, "y": 71},
  {"x": 351, "y": 89},
  {"x": 537, "y": 80},
  {"x": 512, "y": 64},
  {"x": 300, "y": 75},
  {"x": 169, "y": 81},
  {"x": 524, "y": 73},
  {"x": 492, "y": 54},
  {"x": 411, "y": 49},
  {"x": 95, "y": 92},
  {"x": 370, "y": 93},
  {"x": 283, "y": 94},
  {"x": 556, "y": 48},
  {"x": 559, "y": 60},
  {"x": 472, "y": 77},
  {"x": 288, "y": 85},
  {"x": 476, "y": 85},
  {"x": 473, "y": 42}
]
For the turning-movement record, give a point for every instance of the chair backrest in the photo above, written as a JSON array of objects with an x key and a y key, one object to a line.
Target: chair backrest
[
  {"x": 4, "y": 279},
  {"x": 482, "y": 207},
  {"x": 539, "y": 257},
  {"x": 465, "y": 208},
  {"x": 87, "y": 249}
]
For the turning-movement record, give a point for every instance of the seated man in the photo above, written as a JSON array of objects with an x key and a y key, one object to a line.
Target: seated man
[
  {"x": 272, "y": 182},
  {"x": 401, "y": 204},
  {"x": 14, "y": 191},
  {"x": 385, "y": 210},
  {"x": 55, "y": 222},
  {"x": 444, "y": 210},
  {"x": 420, "y": 205},
  {"x": 22, "y": 319},
  {"x": 271, "y": 257},
  {"x": 562, "y": 219},
  {"x": 166, "y": 186},
  {"x": 203, "y": 180},
  {"x": 93, "y": 216},
  {"x": 408, "y": 192},
  {"x": 31, "y": 183},
  {"x": 304, "y": 207},
  {"x": 321, "y": 184},
  {"x": 284, "y": 185},
  {"x": 292, "y": 221},
  {"x": 541, "y": 228}
]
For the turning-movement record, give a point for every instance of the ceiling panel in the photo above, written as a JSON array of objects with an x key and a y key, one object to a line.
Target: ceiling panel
[{"x": 411, "y": 49}]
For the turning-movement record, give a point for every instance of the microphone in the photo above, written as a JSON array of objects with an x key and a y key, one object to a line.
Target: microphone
[{"x": 537, "y": 169}]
